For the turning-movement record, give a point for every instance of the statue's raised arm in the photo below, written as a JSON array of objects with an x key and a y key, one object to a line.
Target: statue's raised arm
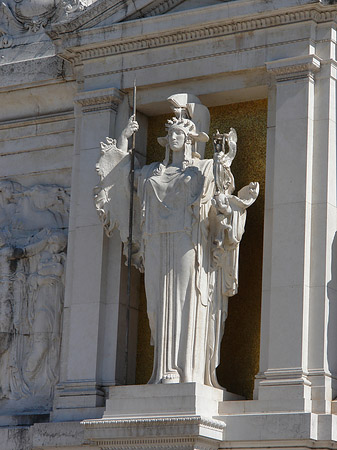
[{"x": 112, "y": 194}]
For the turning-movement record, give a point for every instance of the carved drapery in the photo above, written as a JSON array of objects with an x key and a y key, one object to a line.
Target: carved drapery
[{"x": 33, "y": 240}]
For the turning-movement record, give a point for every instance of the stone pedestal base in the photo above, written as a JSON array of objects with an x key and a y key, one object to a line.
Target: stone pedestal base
[
  {"x": 165, "y": 399},
  {"x": 175, "y": 416}
]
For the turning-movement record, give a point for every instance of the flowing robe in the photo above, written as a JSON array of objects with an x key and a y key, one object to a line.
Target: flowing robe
[
  {"x": 188, "y": 246},
  {"x": 179, "y": 280}
]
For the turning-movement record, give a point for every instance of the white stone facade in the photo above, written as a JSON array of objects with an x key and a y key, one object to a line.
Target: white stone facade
[{"x": 66, "y": 74}]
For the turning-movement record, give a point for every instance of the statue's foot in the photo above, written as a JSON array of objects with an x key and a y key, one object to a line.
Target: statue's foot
[{"x": 171, "y": 377}]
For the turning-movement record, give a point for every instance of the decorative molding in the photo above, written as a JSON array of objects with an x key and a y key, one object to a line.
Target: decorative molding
[
  {"x": 148, "y": 421},
  {"x": 192, "y": 34},
  {"x": 320, "y": 373},
  {"x": 296, "y": 372},
  {"x": 173, "y": 443},
  {"x": 154, "y": 433},
  {"x": 284, "y": 377},
  {"x": 44, "y": 118},
  {"x": 73, "y": 6},
  {"x": 193, "y": 58},
  {"x": 294, "y": 68},
  {"x": 101, "y": 99}
]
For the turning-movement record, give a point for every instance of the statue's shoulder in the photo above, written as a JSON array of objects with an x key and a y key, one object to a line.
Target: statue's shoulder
[
  {"x": 204, "y": 165},
  {"x": 148, "y": 170}
]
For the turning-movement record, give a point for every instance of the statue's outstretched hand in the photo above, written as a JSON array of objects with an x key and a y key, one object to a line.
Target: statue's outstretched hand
[
  {"x": 254, "y": 188},
  {"x": 247, "y": 195}
]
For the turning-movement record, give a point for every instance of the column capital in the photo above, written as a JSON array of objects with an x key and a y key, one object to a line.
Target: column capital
[
  {"x": 294, "y": 68},
  {"x": 99, "y": 99}
]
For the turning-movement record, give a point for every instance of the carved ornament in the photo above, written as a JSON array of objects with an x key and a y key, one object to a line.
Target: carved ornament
[
  {"x": 6, "y": 40},
  {"x": 100, "y": 99},
  {"x": 294, "y": 68},
  {"x": 20, "y": 16},
  {"x": 153, "y": 439},
  {"x": 162, "y": 421},
  {"x": 103, "y": 10}
]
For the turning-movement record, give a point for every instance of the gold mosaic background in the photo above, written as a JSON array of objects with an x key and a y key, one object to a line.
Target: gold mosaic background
[{"x": 240, "y": 345}]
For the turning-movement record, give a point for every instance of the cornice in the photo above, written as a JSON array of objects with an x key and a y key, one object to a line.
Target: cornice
[
  {"x": 156, "y": 443},
  {"x": 154, "y": 433},
  {"x": 172, "y": 443},
  {"x": 153, "y": 421},
  {"x": 193, "y": 58},
  {"x": 229, "y": 26}
]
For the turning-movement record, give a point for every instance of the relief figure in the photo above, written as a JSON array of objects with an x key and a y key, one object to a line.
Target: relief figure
[{"x": 33, "y": 239}]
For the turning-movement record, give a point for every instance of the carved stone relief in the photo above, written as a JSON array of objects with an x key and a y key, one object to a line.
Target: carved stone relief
[
  {"x": 33, "y": 240},
  {"x": 31, "y": 16}
]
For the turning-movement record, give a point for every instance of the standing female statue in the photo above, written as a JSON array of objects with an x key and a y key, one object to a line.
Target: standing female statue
[{"x": 188, "y": 227}]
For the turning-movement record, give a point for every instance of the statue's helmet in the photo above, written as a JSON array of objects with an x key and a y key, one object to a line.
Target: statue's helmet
[{"x": 187, "y": 126}]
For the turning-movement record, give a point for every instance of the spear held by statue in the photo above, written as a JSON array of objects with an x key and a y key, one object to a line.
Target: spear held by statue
[{"x": 132, "y": 182}]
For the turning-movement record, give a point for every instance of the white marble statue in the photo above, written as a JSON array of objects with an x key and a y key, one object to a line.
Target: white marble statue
[{"x": 187, "y": 229}]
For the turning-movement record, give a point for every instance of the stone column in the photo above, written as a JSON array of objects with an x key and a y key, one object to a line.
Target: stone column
[
  {"x": 284, "y": 360},
  {"x": 323, "y": 270},
  {"x": 90, "y": 330}
]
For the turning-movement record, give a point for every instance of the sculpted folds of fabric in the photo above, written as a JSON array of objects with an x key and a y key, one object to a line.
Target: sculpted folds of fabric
[
  {"x": 33, "y": 241},
  {"x": 188, "y": 228}
]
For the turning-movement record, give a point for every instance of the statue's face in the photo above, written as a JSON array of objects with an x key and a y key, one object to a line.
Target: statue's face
[{"x": 176, "y": 138}]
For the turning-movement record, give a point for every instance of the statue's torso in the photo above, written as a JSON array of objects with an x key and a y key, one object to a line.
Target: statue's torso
[{"x": 169, "y": 195}]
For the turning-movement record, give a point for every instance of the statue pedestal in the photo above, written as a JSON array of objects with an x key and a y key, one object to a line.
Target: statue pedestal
[{"x": 178, "y": 416}]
